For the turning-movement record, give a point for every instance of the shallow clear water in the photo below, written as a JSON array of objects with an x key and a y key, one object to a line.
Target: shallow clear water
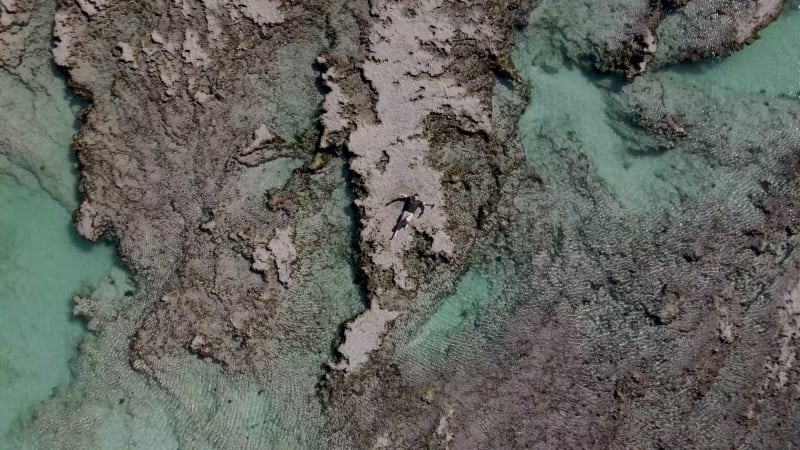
[
  {"x": 458, "y": 319},
  {"x": 37, "y": 121},
  {"x": 570, "y": 111},
  {"x": 771, "y": 65},
  {"x": 95, "y": 399},
  {"x": 42, "y": 263},
  {"x": 572, "y": 103}
]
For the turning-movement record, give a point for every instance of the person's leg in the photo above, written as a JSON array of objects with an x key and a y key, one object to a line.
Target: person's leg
[
  {"x": 407, "y": 217},
  {"x": 402, "y": 223}
]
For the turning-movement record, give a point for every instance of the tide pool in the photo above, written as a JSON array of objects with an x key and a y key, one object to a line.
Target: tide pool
[{"x": 570, "y": 111}]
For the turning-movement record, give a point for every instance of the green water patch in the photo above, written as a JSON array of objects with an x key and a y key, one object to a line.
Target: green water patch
[
  {"x": 457, "y": 314},
  {"x": 199, "y": 404},
  {"x": 37, "y": 121},
  {"x": 770, "y": 66},
  {"x": 574, "y": 116},
  {"x": 42, "y": 263},
  {"x": 464, "y": 321},
  {"x": 570, "y": 112}
]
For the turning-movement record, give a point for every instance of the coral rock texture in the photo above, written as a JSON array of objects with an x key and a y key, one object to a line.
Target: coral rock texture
[
  {"x": 193, "y": 111},
  {"x": 531, "y": 307},
  {"x": 424, "y": 93},
  {"x": 628, "y": 37}
]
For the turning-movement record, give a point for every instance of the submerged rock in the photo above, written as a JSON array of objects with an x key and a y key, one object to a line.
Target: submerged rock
[{"x": 631, "y": 36}]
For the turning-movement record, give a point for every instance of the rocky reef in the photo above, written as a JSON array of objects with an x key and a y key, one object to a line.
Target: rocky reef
[
  {"x": 419, "y": 122},
  {"x": 241, "y": 155},
  {"x": 629, "y": 37},
  {"x": 426, "y": 128},
  {"x": 219, "y": 116}
]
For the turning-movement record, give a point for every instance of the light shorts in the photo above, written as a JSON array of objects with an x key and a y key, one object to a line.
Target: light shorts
[{"x": 405, "y": 218}]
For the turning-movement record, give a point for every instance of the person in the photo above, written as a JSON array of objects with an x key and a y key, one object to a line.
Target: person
[{"x": 410, "y": 206}]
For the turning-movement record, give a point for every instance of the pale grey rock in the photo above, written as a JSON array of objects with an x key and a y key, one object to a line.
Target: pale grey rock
[
  {"x": 92, "y": 7},
  {"x": 363, "y": 336},
  {"x": 414, "y": 75},
  {"x": 284, "y": 253},
  {"x": 262, "y": 12},
  {"x": 261, "y": 259},
  {"x": 333, "y": 119},
  {"x": 193, "y": 51}
]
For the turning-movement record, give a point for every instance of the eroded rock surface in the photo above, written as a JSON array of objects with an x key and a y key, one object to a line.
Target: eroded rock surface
[
  {"x": 603, "y": 327},
  {"x": 668, "y": 327},
  {"x": 630, "y": 37},
  {"x": 195, "y": 118},
  {"x": 430, "y": 66}
]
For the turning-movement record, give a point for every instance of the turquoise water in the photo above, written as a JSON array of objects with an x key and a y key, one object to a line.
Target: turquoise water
[
  {"x": 570, "y": 111},
  {"x": 464, "y": 319},
  {"x": 37, "y": 121},
  {"x": 770, "y": 66},
  {"x": 61, "y": 387},
  {"x": 110, "y": 406},
  {"x": 42, "y": 263}
]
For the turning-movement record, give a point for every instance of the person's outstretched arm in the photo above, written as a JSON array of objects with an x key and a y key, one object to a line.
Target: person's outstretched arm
[
  {"x": 398, "y": 199},
  {"x": 422, "y": 208}
]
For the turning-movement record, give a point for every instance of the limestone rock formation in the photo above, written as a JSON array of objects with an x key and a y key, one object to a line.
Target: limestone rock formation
[
  {"x": 241, "y": 153},
  {"x": 192, "y": 118},
  {"x": 431, "y": 70}
]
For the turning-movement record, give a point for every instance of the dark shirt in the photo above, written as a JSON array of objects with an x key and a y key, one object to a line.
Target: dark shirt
[{"x": 410, "y": 205}]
